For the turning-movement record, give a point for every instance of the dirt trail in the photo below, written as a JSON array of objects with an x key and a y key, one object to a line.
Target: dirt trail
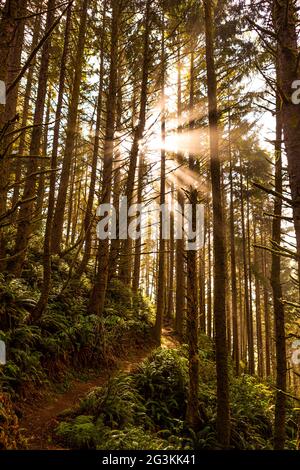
[{"x": 39, "y": 420}]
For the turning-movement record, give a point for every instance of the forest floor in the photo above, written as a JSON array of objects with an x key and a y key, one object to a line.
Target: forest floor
[{"x": 39, "y": 419}]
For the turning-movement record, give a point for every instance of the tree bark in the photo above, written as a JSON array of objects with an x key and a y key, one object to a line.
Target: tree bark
[
  {"x": 25, "y": 113},
  {"x": 89, "y": 207},
  {"x": 8, "y": 26},
  {"x": 138, "y": 242},
  {"x": 209, "y": 278},
  {"x": 26, "y": 213},
  {"x": 58, "y": 218},
  {"x": 248, "y": 243},
  {"x": 266, "y": 312},
  {"x": 284, "y": 21},
  {"x": 192, "y": 323},
  {"x": 235, "y": 339},
  {"x": 14, "y": 61},
  {"x": 259, "y": 340},
  {"x": 11, "y": 39},
  {"x": 126, "y": 260},
  {"x": 170, "y": 297},
  {"x": 114, "y": 253},
  {"x": 223, "y": 420},
  {"x": 180, "y": 259},
  {"x": 98, "y": 294},
  {"x": 281, "y": 367},
  {"x": 248, "y": 311},
  {"x": 41, "y": 305},
  {"x": 160, "y": 302}
]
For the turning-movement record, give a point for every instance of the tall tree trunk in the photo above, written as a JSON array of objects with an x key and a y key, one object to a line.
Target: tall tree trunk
[
  {"x": 170, "y": 299},
  {"x": 235, "y": 335},
  {"x": 192, "y": 322},
  {"x": 160, "y": 302},
  {"x": 242, "y": 323},
  {"x": 138, "y": 242},
  {"x": 89, "y": 207},
  {"x": 114, "y": 252},
  {"x": 281, "y": 367},
  {"x": 14, "y": 61},
  {"x": 209, "y": 278},
  {"x": 8, "y": 26},
  {"x": 266, "y": 311},
  {"x": 10, "y": 49},
  {"x": 223, "y": 420},
  {"x": 202, "y": 305},
  {"x": 25, "y": 113},
  {"x": 10, "y": 113},
  {"x": 26, "y": 213},
  {"x": 98, "y": 294},
  {"x": 126, "y": 260},
  {"x": 285, "y": 19},
  {"x": 41, "y": 178},
  {"x": 71, "y": 187},
  {"x": 228, "y": 309},
  {"x": 58, "y": 218},
  {"x": 192, "y": 317},
  {"x": 180, "y": 259},
  {"x": 41, "y": 305},
  {"x": 248, "y": 311},
  {"x": 259, "y": 339},
  {"x": 248, "y": 240}
]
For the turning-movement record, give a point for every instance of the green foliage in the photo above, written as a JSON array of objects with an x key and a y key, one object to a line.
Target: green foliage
[
  {"x": 126, "y": 315},
  {"x": 131, "y": 438},
  {"x": 83, "y": 433},
  {"x": 252, "y": 413},
  {"x": 141, "y": 410},
  {"x": 146, "y": 408},
  {"x": 118, "y": 403},
  {"x": 66, "y": 335},
  {"x": 10, "y": 436},
  {"x": 163, "y": 379},
  {"x": 121, "y": 299},
  {"x": 16, "y": 302}
]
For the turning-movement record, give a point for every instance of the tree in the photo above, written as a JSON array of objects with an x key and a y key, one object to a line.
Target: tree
[
  {"x": 180, "y": 258},
  {"x": 58, "y": 217},
  {"x": 281, "y": 367},
  {"x": 89, "y": 208},
  {"x": 26, "y": 214},
  {"x": 51, "y": 200},
  {"x": 284, "y": 22},
  {"x": 160, "y": 303},
  {"x": 125, "y": 268},
  {"x": 223, "y": 421},
  {"x": 98, "y": 293},
  {"x": 234, "y": 306}
]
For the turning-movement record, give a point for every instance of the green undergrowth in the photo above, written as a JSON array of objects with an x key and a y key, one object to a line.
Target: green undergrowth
[
  {"x": 67, "y": 341},
  {"x": 66, "y": 336},
  {"x": 133, "y": 411},
  {"x": 146, "y": 409},
  {"x": 10, "y": 434}
]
